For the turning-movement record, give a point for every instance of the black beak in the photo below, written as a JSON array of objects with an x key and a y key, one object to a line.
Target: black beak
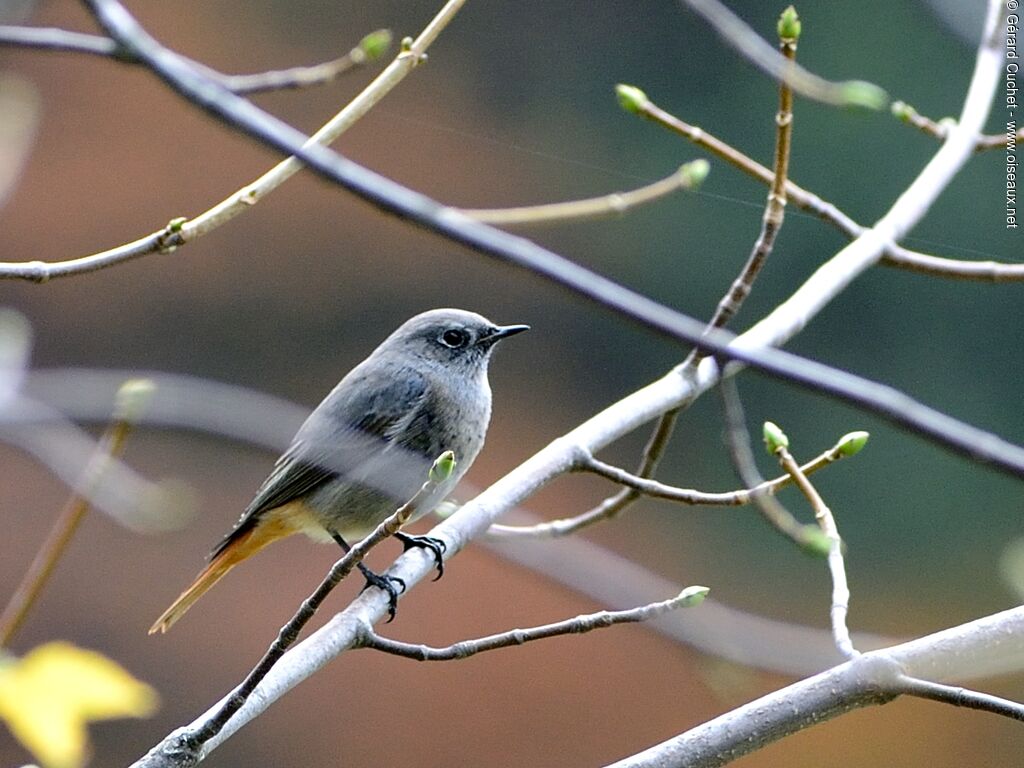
[{"x": 504, "y": 331}]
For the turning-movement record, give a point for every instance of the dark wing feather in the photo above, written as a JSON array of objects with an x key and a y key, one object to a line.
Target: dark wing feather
[{"x": 351, "y": 430}]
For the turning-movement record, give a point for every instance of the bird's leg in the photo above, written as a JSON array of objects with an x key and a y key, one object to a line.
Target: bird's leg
[
  {"x": 386, "y": 583},
  {"x": 435, "y": 545}
]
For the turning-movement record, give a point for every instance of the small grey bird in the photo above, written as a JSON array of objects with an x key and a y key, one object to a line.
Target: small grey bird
[{"x": 367, "y": 448}]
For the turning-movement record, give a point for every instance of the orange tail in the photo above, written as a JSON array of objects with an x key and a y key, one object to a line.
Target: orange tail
[{"x": 241, "y": 545}]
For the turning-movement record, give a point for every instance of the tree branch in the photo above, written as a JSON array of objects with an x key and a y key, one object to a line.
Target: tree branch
[
  {"x": 371, "y": 47},
  {"x": 939, "y": 130},
  {"x": 961, "y": 697},
  {"x": 836, "y": 565},
  {"x": 894, "y": 255},
  {"x": 737, "y": 436},
  {"x": 689, "y": 597},
  {"x": 975, "y": 649},
  {"x": 688, "y": 177},
  {"x": 748, "y": 44}
]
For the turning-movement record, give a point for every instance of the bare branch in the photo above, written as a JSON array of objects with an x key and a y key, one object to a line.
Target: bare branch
[
  {"x": 748, "y": 44},
  {"x": 775, "y": 208},
  {"x": 53, "y": 39},
  {"x": 688, "y": 176},
  {"x": 62, "y": 447},
  {"x": 961, "y": 697},
  {"x": 971, "y": 650},
  {"x": 588, "y": 463},
  {"x": 370, "y": 48},
  {"x": 688, "y": 496},
  {"x": 161, "y": 241},
  {"x": 836, "y": 565},
  {"x": 893, "y": 255},
  {"x": 689, "y": 597},
  {"x": 738, "y": 438},
  {"x": 939, "y": 130}
]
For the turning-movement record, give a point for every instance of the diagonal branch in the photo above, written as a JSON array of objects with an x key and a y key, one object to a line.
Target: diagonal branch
[
  {"x": 687, "y": 177},
  {"x": 894, "y": 255}
]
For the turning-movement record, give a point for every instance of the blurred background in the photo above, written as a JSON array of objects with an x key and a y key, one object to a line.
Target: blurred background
[{"x": 516, "y": 106}]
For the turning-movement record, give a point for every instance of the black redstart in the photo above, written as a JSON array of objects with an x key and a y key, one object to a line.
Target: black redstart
[{"x": 367, "y": 448}]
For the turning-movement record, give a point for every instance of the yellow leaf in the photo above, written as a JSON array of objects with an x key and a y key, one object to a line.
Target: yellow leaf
[{"x": 48, "y": 697}]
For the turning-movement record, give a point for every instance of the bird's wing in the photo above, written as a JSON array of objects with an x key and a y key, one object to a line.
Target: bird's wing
[{"x": 350, "y": 434}]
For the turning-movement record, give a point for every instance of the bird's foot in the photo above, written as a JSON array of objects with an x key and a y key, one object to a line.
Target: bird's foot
[
  {"x": 436, "y": 546},
  {"x": 392, "y": 585}
]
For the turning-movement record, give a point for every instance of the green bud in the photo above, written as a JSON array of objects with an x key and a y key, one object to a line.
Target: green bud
[
  {"x": 949, "y": 123},
  {"x": 132, "y": 399},
  {"x": 774, "y": 437},
  {"x": 443, "y": 467},
  {"x": 814, "y": 542},
  {"x": 631, "y": 98},
  {"x": 175, "y": 225},
  {"x": 858, "y": 93},
  {"x": 692, "y": 174},
  {"x": 902, "y": 111},
  {"x": 851, "y": 444},
  {"x": 406, "y": 44},
  {"x": 375, "y": 44},
  {"x": 789, "y": 25},
  {"x": 692, "y": 596}
]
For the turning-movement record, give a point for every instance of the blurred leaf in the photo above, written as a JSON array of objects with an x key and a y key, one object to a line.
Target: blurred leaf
[{"x": 49, "y": 696}]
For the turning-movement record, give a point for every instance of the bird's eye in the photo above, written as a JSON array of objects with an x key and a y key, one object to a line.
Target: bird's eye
[{"x": 454, "y": 338}]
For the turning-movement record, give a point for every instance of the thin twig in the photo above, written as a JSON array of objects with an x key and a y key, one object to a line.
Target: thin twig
[
  {"x": 893, "y": 255},
  {"x": 998, "y": 140},
  {"x": 612, "y": 505},
  {"x": 751, "y": 46},
  {"x": 130, "y": 402},
  {"x": 736, "y": 498},
  {"x": 775, "y": 207},
  {"x": 586, "y": 462},
  {"x": 836, "y": 564},
  {"x": 289, "y": 633},
  {"x": 42, "y": 271},
  {"x": 53, "y": 39},
  {"x": 372, "y": 46},
  {"x": 689, "y": 597},
  {"x": 960, "y": 697},
  {"x": 688, "y": 176},
  {"x": 181, "y": 230},
  {"x": 940, "y": 130},
  {"x": 807, "y": 537},
  {"x": 907, "y": 114}
]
